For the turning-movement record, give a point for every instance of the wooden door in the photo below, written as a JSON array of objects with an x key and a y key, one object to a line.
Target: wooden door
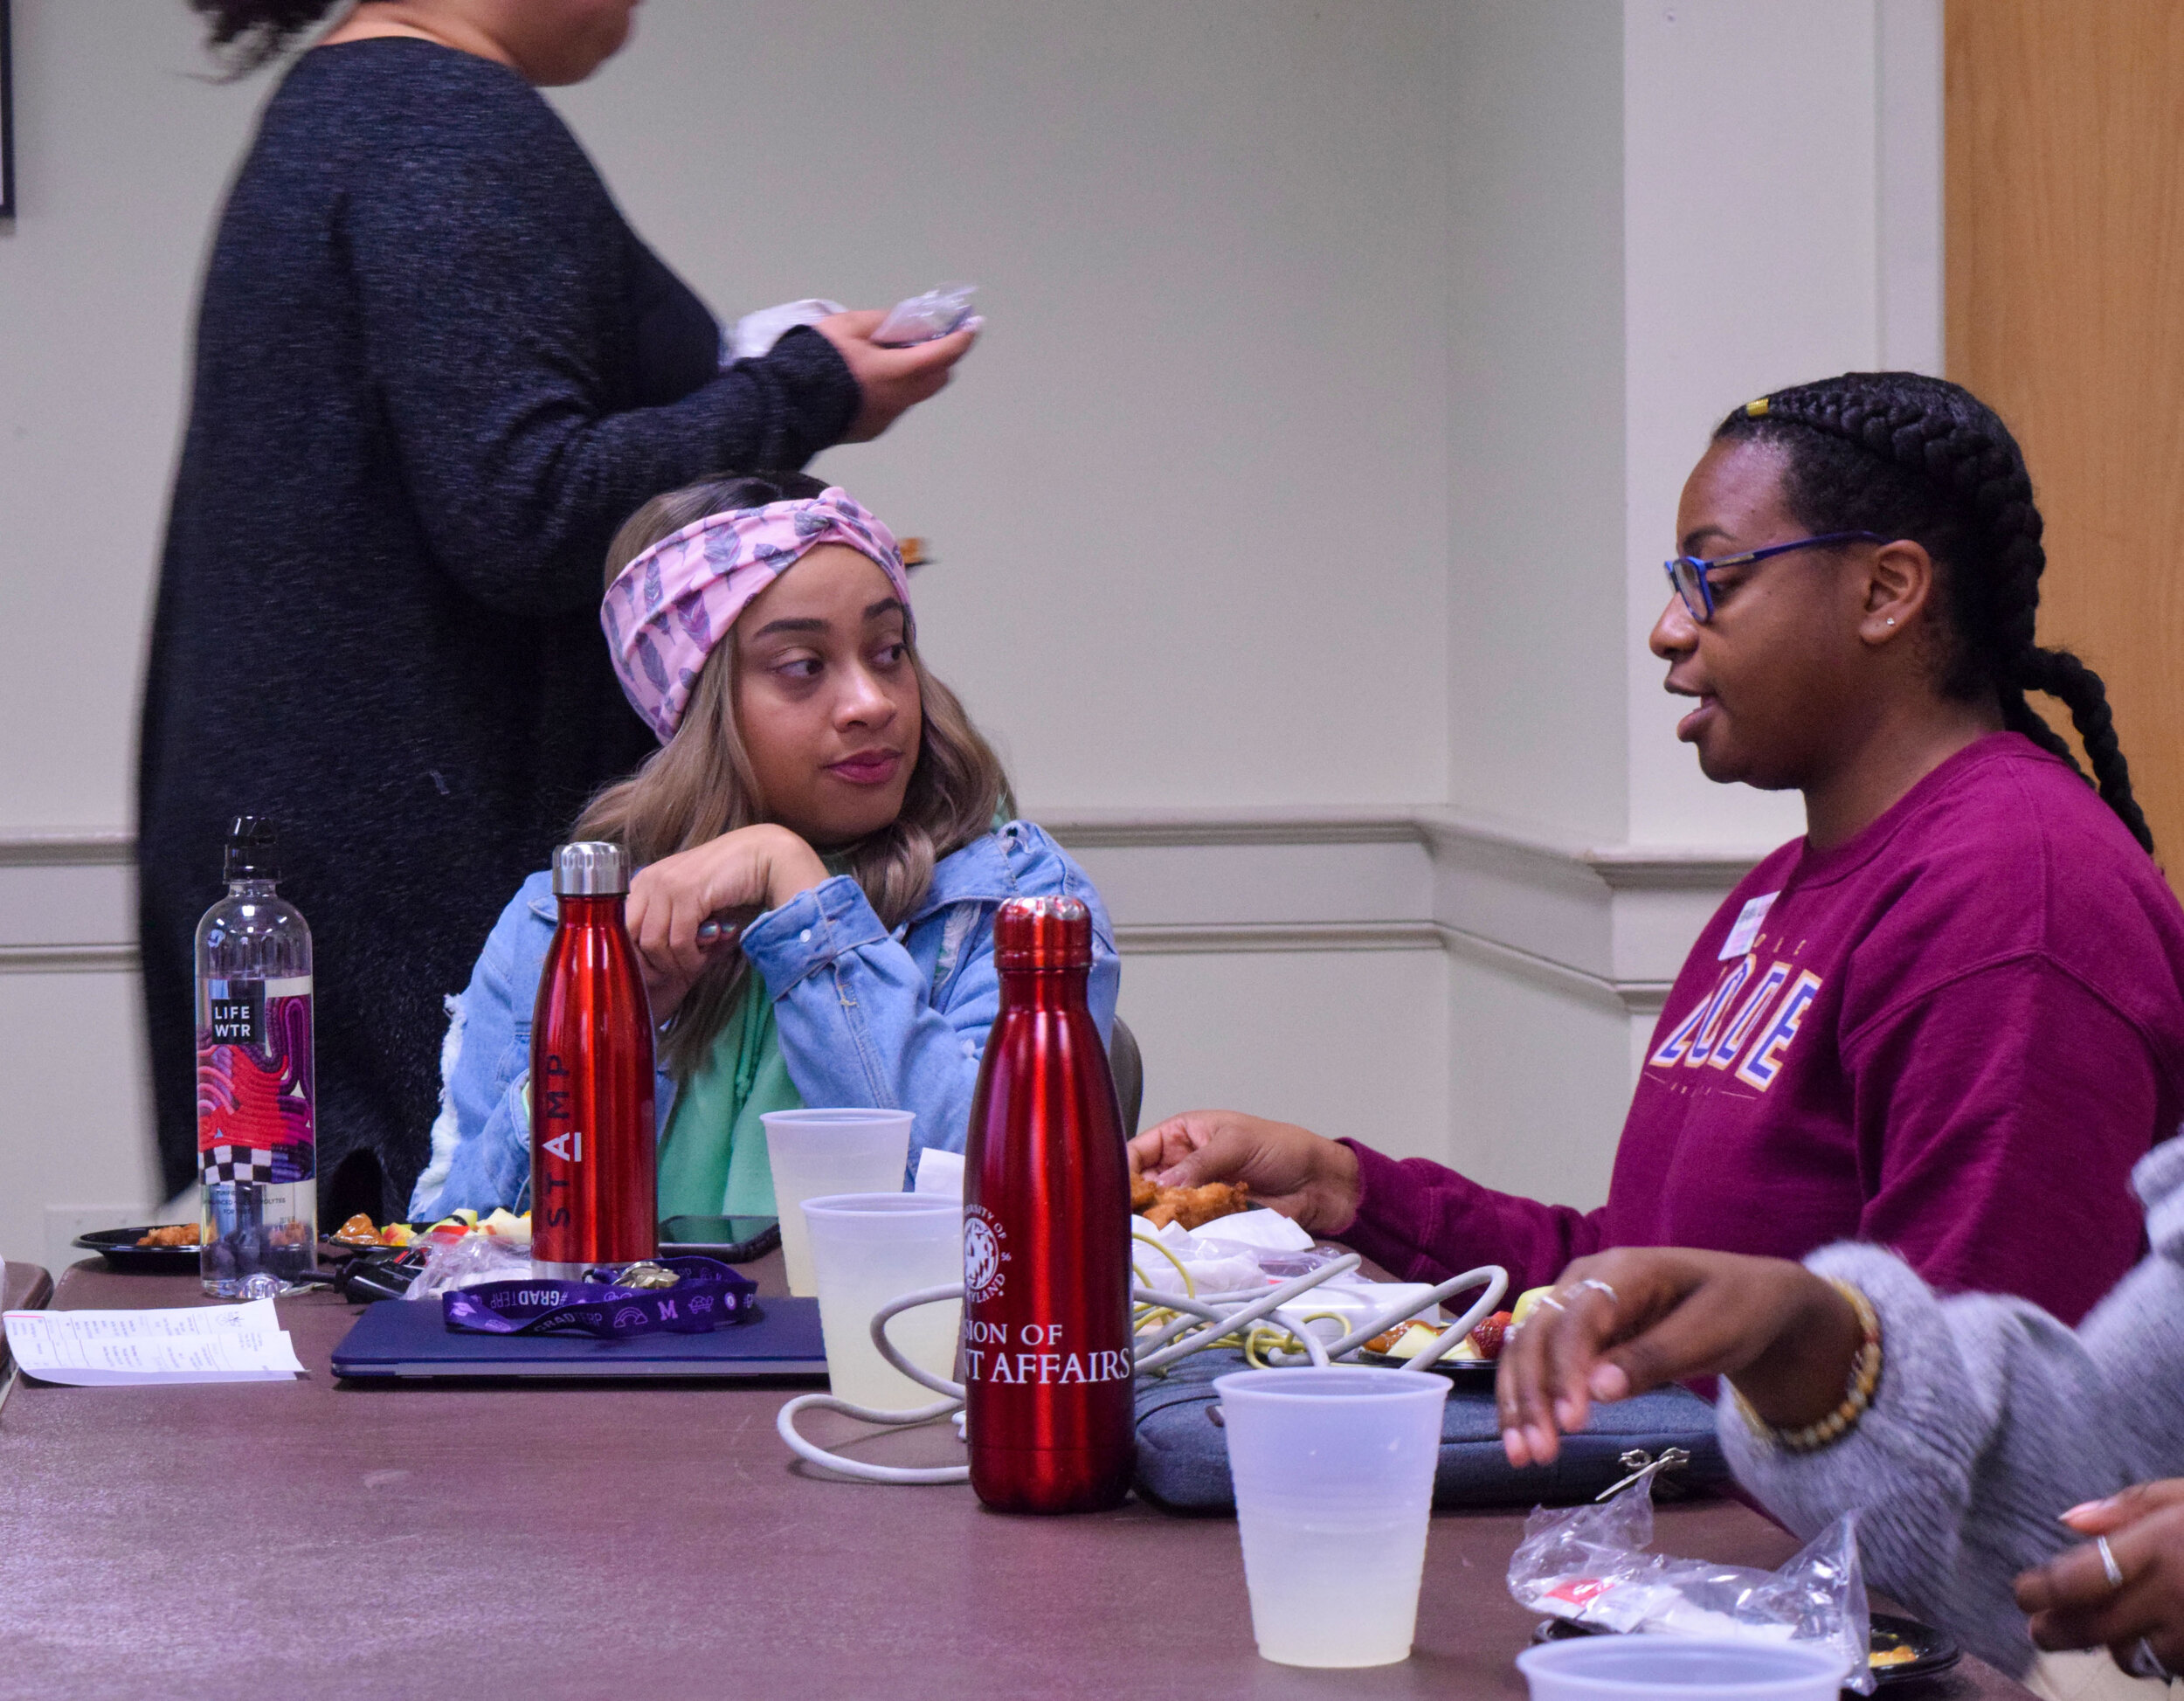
[{"x": 2065, "y": 305}]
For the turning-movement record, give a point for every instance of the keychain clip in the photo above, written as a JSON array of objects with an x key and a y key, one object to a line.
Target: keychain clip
[{"x": 1644, "y": 1468}]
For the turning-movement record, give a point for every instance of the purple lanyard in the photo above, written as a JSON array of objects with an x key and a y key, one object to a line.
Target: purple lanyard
[{"x": 709, "y": 1296}]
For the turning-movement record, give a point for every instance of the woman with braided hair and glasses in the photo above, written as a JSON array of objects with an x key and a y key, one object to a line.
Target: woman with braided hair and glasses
[{"x": 1950, "y": 1018}]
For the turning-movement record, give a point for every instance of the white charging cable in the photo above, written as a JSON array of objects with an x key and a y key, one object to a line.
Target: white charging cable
[{"x": 1155, "y": 1350}]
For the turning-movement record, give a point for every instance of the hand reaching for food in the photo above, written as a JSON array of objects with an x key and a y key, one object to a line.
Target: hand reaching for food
[
  {"x": 1288, "y": 1168},
  {"x": 1187, "y": 1207}
]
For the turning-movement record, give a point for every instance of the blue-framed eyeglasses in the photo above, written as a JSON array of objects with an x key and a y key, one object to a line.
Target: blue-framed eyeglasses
[{"x": 1692, "y": 580}]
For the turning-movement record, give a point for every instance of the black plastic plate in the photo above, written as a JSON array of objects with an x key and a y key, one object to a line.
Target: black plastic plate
[
  {"x": 1935, "y": 1650},
  {"x": 119, "y": 1247}
]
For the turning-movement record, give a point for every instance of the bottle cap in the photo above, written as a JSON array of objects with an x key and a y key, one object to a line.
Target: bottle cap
[
  {"x": 253, "y": 851},
  {"x": 590, "y": 869},
  {"x": 1042, "y": 933}
]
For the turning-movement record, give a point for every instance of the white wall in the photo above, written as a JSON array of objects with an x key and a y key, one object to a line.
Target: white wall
[
  {"x": 1188, "y": 496},
  {"x": 122, "y": 153},
  {"x": 1752, "y": 230},
  {"x": 1279, "y": 1032},
  {"x": 1299, "y": 520},
  {"x": 1536, "y": 415}
]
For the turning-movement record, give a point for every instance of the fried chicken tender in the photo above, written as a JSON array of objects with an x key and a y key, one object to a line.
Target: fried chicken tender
[
  {"x": 177, "y": 1234},
  {"x": 357, "y": 1231},
  {"x": 1142, "y": 1194},
  {"x": 1192, "y": 1207}
]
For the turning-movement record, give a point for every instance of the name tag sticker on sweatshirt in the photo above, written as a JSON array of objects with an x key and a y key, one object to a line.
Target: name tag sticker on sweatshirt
[{"x": 1747, "y": 928}]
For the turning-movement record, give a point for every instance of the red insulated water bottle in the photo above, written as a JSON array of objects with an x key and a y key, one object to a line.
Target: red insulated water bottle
[
  {"x": 1044, "y": 1358},
  {"x": 594, "y": 1191}
]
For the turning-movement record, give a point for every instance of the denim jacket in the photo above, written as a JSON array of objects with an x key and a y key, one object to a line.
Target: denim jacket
[{"x": 865, "y": 1017}]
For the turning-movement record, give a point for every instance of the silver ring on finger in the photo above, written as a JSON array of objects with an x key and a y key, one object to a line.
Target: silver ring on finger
[
  {"x": 2114, "y": 1571},
  {"x": 1600, "y": 1286},
  {"x": 1551, "y": 1303}
]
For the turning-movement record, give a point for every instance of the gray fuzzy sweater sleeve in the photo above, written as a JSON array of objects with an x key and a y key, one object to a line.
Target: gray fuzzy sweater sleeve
[{"x": 1991, "y": 1420}]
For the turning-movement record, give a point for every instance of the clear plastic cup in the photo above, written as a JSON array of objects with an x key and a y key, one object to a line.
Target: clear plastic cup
[
  {"x": 1639, "y": 1668},
  {"x": 1334, "y": 1474},
  {"x": 816, "y": 1152},
  {"x": 869, "y": 1249}
]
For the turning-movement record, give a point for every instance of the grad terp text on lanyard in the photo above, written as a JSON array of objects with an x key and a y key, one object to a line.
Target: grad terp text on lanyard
[{"x": 706, "y": 1295}]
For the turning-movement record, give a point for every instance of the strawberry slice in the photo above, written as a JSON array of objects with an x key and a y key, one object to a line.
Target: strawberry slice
[{"x": 1489, "y": 1335}]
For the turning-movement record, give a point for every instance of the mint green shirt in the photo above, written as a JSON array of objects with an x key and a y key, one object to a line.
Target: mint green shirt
[{"x": 713, "y": 1162}]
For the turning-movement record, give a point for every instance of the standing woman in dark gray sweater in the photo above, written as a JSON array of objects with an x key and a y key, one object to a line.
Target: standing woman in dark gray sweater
[{"x": 435, "y": 369}]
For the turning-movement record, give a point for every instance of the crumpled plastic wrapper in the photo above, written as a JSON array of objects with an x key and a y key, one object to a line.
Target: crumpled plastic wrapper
[
  {"x": 1587, "y": 1564},
  {"x": 937, "y": 313},
  {"x": 1238, "y": 1256},
  {"x": 467, "y": 1262},
  {"x": 1213, "y": 1269}
]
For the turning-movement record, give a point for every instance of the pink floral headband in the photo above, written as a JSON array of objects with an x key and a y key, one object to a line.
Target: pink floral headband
[{"x": 666, "y": 610}]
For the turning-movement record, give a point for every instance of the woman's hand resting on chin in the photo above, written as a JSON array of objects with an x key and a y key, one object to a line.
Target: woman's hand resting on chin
[
  {"x": 731, "y": 880},
  {"x": 1291, "y": 1169}
]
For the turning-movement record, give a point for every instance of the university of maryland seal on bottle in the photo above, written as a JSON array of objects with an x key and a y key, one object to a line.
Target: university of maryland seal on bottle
[{"x": 983, "y": 1255}]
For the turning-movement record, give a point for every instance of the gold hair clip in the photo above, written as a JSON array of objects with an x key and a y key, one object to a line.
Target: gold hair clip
[{"x": 1755, "y": 410}]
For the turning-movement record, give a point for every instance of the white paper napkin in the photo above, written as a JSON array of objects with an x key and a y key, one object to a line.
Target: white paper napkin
[{"x": 939, "y": 1173}]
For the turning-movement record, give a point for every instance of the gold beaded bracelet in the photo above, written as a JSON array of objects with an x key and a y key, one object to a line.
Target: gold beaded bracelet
[{"x": 1865, "y": 1381}]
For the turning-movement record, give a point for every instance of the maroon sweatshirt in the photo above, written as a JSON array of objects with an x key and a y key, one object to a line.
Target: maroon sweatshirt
[{"x": 1952, "y": 1036}]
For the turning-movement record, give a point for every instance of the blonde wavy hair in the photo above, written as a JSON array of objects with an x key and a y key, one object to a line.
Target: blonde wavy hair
[{"x": 700, "y": 785}]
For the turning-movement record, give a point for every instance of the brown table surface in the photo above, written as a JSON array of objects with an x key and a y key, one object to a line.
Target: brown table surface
[
  {"x": 25, "y": 1287},
  {"x": 322, "y": 1538}
]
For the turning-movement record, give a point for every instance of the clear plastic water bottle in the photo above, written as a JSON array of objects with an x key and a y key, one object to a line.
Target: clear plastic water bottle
[{"x": 257, "y": 1149}]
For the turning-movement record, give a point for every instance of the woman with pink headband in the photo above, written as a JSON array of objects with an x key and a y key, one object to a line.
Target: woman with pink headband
[{"x": 823, "y": 840}]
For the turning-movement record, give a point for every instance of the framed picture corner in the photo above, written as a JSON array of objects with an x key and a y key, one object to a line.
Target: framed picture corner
[{"x": 7, "y": 112}]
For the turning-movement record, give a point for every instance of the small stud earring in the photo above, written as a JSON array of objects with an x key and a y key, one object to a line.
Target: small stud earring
[{"x": 1891, "y": 619}]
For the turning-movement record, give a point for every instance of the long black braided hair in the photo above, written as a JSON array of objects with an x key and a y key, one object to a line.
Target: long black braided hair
[{"x": 1918, "y": 458}]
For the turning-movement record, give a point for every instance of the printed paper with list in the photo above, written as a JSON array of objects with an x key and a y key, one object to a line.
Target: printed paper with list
[{"x": 118, "y": 1349}]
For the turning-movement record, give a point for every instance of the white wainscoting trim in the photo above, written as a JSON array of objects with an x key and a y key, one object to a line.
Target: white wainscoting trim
[
  {"x": 67, "y": 903},
  {"x": 68, "y": 847},
  {"x": 1092, "y": 829},
  {"x": 1171, "y": 940},
  {"x": 67, "y": 959},
  {"x": 1603, "y": 923}
]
